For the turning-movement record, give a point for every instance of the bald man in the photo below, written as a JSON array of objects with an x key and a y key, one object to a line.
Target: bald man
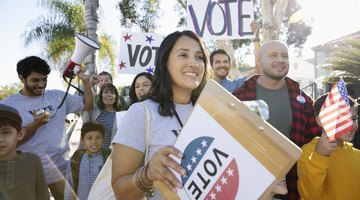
[{"x": 291, "y": 111}]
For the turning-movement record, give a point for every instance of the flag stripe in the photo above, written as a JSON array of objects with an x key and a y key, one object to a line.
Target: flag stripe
[
  {"x": 342, "y": 115},
  {"x": 335, "y": 115}
]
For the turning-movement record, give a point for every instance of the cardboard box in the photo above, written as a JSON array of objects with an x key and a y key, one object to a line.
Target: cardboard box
[{"x": 230, "y": 152}]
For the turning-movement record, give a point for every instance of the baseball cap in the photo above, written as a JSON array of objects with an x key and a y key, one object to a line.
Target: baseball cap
[{"x": 10, "y": 113}]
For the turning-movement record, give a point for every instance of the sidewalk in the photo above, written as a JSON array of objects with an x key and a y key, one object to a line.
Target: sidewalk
[{"x": 75, "y": 128}]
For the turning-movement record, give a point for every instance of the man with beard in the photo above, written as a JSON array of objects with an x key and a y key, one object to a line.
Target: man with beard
[
  {"x": 220, "y": 64},
  {"x": 291, "y": 111},
  {"x": 44, "y": 119}
]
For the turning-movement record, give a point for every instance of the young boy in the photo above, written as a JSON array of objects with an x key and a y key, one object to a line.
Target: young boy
[
  {"x": 85, "y": 164},
  {"x": 330, "y": 169},
  {"x": 21, "y": 174}
]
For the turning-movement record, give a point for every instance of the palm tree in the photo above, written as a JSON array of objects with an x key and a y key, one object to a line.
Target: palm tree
[
  {"x": 345, "y": 62},
  {"x": 56, "y": 32}
]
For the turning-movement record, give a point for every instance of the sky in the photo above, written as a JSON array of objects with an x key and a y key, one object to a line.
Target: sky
[{"x": 331, "y": 19}]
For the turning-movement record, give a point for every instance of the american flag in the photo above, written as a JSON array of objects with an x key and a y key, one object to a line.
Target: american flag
[{"x": 335, "y": 114}]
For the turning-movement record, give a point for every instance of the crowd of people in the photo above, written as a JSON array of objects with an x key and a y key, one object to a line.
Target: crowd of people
[{"x": 34, "y": 151}]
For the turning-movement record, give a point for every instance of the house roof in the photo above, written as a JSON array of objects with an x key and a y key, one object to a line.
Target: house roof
[{"x": 333, "y": 43}]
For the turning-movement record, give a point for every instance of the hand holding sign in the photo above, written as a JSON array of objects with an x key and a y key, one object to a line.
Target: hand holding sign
[
  {"x": 160, "y": 164},
  {"x": 229, "y": 151}
]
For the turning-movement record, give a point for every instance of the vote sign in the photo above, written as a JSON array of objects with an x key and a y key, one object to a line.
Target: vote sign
[
  {"x": 229, "y": 151},
  {"x": 138, "y": 52},
  {"x": 215, "y": 169},
  {"x": 220, "y": 19}
]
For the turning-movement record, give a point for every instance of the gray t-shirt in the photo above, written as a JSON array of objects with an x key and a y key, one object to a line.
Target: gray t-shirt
[
  {"x": 50, "y": 140},
  {"x": 163, "y": 130},
  {"x": 280, "y": 114}
]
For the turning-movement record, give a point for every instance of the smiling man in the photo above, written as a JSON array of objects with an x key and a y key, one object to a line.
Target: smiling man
[
  {"x": 291, "y": 111},
  {"x": 45, "y": 130},
  {"x": 220, "y": 63}
]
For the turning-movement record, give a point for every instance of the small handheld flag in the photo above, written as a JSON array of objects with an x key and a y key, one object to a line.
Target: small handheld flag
[{"x": 335, "y": 114}]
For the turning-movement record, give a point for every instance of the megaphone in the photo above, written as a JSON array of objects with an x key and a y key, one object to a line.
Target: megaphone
[{"x": 83, "y": 47}]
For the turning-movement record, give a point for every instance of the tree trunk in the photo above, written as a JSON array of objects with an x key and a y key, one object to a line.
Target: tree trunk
[
  {"x": 91, "y": 28},
  {"x": 272, "y": 14}
]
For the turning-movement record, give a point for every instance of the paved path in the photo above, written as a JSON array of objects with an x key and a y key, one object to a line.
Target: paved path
[
  {"x": 74, "y": 140},
  {"x": 75, "y": 128}
]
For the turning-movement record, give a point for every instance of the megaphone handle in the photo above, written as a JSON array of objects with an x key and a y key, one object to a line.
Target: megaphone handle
[{"x": 76, "y": 69}]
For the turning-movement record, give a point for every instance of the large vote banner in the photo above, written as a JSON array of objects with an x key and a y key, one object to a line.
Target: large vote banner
[
  {"x": 138, "y": 52},
  {"x": 229, "y": 151},
  {"x": 220, "y": 19}
]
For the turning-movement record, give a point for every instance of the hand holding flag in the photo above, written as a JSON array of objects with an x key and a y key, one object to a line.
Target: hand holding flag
[{"x": 335, "y": 114}]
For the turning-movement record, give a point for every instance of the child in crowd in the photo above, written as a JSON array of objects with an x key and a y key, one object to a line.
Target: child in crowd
[
  {"x": 330, "y": 169},
  {"x": 85, "y": 164},
  {"x": 105, "y": 111},
  {"x": 21, "y": 174}
]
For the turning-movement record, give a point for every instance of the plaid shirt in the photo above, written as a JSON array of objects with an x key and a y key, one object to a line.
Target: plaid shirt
[{"x": 304, "y": 127}]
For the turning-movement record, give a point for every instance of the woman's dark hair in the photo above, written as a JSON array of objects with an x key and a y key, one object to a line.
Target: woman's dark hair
[
  {"x": 109, "y": 87},
  {"x": 162, "y": 84},
  {"x": 132, "y": 94},
  {"x": 32, "y": 64},
  {"x": 92, "y": 126}
]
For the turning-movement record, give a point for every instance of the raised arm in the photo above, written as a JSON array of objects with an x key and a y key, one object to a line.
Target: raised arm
[
  {"x": 255, "y": 27},
  {"x": 88, "y": 92}
]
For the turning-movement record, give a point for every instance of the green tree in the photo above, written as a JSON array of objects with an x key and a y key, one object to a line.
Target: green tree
[
  {"x": 139, "y": 13},
  {"x": 56, "y": 32},
  {"x": 345, "y": 62},
  {"x": 7, "y": 90}
]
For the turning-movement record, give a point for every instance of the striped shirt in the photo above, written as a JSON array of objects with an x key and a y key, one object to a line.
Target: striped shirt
[
  {"x": 107, "y": 119},
  {"x": 89, "y": 169}
]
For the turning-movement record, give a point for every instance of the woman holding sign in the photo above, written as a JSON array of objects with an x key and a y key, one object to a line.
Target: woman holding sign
[{"x": 182, "y": 70}]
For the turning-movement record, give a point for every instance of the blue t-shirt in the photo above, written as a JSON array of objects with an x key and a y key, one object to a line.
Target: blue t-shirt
[{"x": 231, "y": 85}]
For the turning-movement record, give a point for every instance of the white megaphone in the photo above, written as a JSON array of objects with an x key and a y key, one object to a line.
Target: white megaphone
[{"x": 83, "y": 47}]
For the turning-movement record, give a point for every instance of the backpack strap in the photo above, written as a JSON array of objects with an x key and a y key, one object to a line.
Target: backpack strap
[
  {"x": 105, "y": 153},
  {"x": 75, "y": 166}
]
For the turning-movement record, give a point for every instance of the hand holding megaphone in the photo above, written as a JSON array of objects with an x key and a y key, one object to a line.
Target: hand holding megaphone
[
  {"x": 83, "y": 74},
  {"x": 83, "y": 47}
]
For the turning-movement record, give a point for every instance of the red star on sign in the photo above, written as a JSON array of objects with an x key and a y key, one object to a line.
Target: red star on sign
[
  {"x": 127, "y": 37},
  {"x": 122, "y": 65}
]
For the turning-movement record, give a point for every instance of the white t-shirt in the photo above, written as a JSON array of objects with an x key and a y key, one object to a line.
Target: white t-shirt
[
  {"x": 163, "y": 130},
  {"x": 50, "y": 140}
]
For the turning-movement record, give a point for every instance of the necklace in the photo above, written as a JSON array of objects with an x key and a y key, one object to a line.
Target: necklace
[{"x": 177, "y": 117}]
